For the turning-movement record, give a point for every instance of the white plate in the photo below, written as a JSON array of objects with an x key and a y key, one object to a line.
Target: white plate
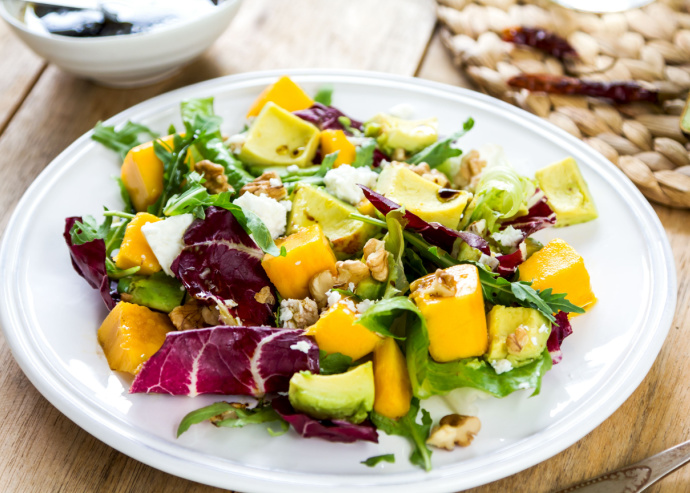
[{"x": 50, "y": 315}]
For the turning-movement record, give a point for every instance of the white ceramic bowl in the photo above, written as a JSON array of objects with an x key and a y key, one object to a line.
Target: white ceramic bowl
[{"x": 126, "y": 60}]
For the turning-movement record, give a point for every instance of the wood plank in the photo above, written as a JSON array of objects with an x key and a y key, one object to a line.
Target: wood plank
[
  {"x": 20, "y": 68},
  {"x": 656, "y": 416},
  {"x": 41, "y": 450}
]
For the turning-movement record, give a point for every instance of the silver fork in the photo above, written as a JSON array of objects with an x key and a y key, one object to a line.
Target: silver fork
[{"x": 636, "y": 477}]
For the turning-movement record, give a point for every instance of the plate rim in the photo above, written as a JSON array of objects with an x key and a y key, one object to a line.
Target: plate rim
[{"x": 442, "y": 479}]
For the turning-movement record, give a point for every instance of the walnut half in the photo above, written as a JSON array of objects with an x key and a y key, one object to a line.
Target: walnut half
[
  {"x": 269, "y": 183},
  {"x": 376, "y": 257},
  {"x": 216, "y": 180},
  {"x": 454, "y": 429}
]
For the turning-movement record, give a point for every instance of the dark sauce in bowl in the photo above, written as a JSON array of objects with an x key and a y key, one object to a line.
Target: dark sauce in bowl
[{"x": 113, "y": 20}]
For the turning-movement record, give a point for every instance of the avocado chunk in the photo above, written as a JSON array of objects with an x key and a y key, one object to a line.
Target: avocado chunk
[
  {"x": 567, "y": 192},
  {"x": 279, "y": 138},
  {"x": 158, "y": 291},
  {"x": 394, "y": 133},
  {"x": 348, "y": 395},
  {"x": 420, "y": 196},
  {"x": 370, "y": 289},
  {"x": 533, "y": 246},
  {"x": 516, "y": 334},
  {"x": 312, "y": 205}
]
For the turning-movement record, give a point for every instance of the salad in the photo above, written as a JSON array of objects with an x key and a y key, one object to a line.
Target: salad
[{"x": 339, "y": 272}]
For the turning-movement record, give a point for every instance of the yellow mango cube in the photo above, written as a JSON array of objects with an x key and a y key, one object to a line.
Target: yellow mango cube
[
  {"x": 285, "y": 93},
  {"x": 135, "y": 250},
  {"x": 336, "y": 141},
  {"x": 559, "y": 267},
  {"x": 452, "y": 303},
  {"x": 337, "y": 332},
  {"x": 131, "y": 334},
  {"x": 142, "y": 174},
  {"x": 308, "y": 253},
  {"x": 391, "y": 380}
]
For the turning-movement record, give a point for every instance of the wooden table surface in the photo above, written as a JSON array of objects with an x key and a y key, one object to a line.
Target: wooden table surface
[{"x": 42, "y": 110}]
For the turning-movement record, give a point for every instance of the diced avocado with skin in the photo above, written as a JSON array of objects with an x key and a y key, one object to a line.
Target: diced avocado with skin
[
  {"x": 504, "y": 322},
  {"x": 158, "y": 291},
  {"x": 348, "y": 395},
  {"x": 567, "y": 192},
  {"x": 312, "y": 205},
  {"x": 279, "y": 138},
  {"x": 533, "y": 246},
  {"x": 420, "y": 196},
  {"x": 370, "y": 289},
  {"x": 395, "y": 133}
]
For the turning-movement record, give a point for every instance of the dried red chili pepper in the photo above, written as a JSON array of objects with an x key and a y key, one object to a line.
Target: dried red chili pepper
[
  {"x": 619, "y": 92},
  {"x": 541, "y": 39}
]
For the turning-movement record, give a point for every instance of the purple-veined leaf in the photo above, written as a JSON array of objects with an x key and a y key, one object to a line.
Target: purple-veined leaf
[
  {"x": 434, "y": 233},
  {"x": 88, "y": 259},
  {"x": 332, "y": 430},
  {"x": 539, "y": 216},
  {"x": 560, "y": 329},
  {"x": 227, "y": 360},
  {"x": 326, "y": 118}
]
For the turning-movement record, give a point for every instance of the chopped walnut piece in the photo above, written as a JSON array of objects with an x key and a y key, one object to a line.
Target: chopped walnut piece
[
  {"x": 188, "y": 316},
  {"x": 229, "y": 414},
  {"x": 471, "y": 167},
  {"x": 373, "y": 245},
  {"x": 265, "y": 296},
  {"x": 269, "y": 183},
  {"x": 216, "y": 181},
  {"x": 298, "y": 314},
  {"x": 378, "y": 265},
  {"x": 211, "y": 315},
  {"x": 351, "y": 271},
  {"x": 319, "y": 285},
  {"x": 517, "y": 340},
  {"x": 441, "y": 285},
  {"x": 454, "y": 429}
]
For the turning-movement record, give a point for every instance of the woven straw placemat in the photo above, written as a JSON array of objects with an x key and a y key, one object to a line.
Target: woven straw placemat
[{"x": 650, "y": 45}]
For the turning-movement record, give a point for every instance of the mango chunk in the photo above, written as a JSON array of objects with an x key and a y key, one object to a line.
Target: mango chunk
[
  {"x": 135, "y": 250},
  {"x": 337, "y": 332},
  {"x": 391, "y": 380},
  {"x": 336, "y": 141},
  {"x": 142, "y": 174},
  {"x": 420, "y": 196},
  {"x": 131, "y": 334},
  {"x": 285, "y": 93},
  {"x": 308, "y": 253},
  {"x": 567, "y": 191},
  {"x": 279, "y": 138},
  {"x": 452, "y": 303},
  {"x": 559, "y": 267}
]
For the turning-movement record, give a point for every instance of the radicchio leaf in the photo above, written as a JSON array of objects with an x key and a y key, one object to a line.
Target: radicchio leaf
[
  {"x": 88, "y": 259},
  {"x": 508, "y": 264},
  {"x": 332, "y": 430},
  {"x": 227, "y": 360},
  {"x": 378, "y": 158},
  {"x": 434, "y": 233},
  {"x": 538, "y": 217},
  {"x": 326, "y": 118},
  {"x": 560, "y": 329},
  {"x": 221, "y": 264}
]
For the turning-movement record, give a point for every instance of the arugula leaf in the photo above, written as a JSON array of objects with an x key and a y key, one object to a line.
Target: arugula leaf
[
  {"x": 346, "y": 122},
  {"x": 414, "y": 264},
  {"x": 408, "y": 427},
  {"x": 86, "y": 230},
  {"x": 324, "y": 95},
  {"x": 438, "y": 152},
  {"x": 175, "y": 168},
  {"x": 114, "y": 272},
  {"x": 327, "y": 164},
  {"x": 129, "y": 207},
  {"x": 228, "y": 416},
  {"x": 375, "y": 460},
  {"x": 364, "y": 155},
  {"x": 333, "y": 363},
  {"x": 123, "y": 139},
  {"x": 381, "y": 316}
]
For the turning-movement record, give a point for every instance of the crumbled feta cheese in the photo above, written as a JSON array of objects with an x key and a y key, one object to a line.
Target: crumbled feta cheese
[
  {"x": 350, "y": 305},
  {"x": 166, "y": 238},
  {"x": 490, "y": 262},
  {"x": 275, "y": 182},
  {"x": 287, "y": 204},
  {"x": 292, "y": 168},
  {"x": 502, "y": 365},
  {"x": 402, "y": 110},
  {"x": 509, "y": 237},
  {"x": 333, "y": 298},
  {"x": 363, "y": 306},
  {"x": 543, "y": 329},
  {"x": 351, "y": 287},
  {"x": 343, "y": 180},
  {"x": 303, "y": 346},
  {"x": 235, "y": 142},
  {"x": 523, "y": 385},
  {"x": 285, "y": 313},
  {"x": 269, "y": 210}
]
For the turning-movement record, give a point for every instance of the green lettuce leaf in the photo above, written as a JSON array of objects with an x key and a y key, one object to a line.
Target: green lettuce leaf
[
  {"x": 228, "y": 416},
  {"x": 331, "y": 364},
  {"x": 397, "y": 283},
  {"x": 382, "y": 316},
  {"x": 324, "y": 95}
]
